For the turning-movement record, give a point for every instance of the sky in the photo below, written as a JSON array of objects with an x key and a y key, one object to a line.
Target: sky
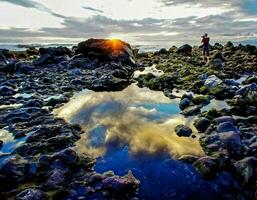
[{"x": 139, "y": 22}]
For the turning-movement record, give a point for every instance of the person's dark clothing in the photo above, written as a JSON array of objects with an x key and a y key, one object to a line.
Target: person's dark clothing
[{"x": 206, "y": 50}]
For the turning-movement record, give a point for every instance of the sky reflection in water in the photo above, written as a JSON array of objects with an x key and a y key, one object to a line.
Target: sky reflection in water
[
  {"x": 139, "y": 118},
  {"x": 134, "y": 130}
]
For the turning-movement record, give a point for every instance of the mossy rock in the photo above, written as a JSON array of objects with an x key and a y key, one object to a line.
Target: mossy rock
[{"x": 201, "y": 100}]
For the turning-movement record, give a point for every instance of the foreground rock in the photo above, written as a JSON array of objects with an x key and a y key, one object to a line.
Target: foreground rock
[{"x": 43, "y": 164}]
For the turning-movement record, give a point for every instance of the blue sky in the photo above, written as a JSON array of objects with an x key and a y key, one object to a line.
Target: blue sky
[{"x": 154, "y": 22}]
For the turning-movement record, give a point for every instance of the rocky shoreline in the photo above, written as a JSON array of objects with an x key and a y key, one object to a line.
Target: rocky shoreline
[{"x": 35, "y": 82}]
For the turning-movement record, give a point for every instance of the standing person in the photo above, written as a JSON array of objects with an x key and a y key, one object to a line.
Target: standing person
[{"x": 206, "y": 47}]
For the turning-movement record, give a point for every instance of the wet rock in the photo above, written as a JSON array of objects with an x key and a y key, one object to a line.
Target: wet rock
[
  {"x": 13, "y": 170},
  {"x": 202, "y": 124},
  {"x": 184, "y": 103},
  {"x": 1, "y": 144},
  {"x": 207, "y": 167},
  {"x": 226, "y": 126},
  {"x": 55, "y": 180},
  {"x": 212, "y": 81},
  {"x": 223, "y": 119},
  {"x": 6, "y": 91},
  {"x": 120, "y": 186},
  {"x": 185, "y": 50},
  {"x": 183, "y": 131},
  {"x": 247, "y": 170},
  {"x": 201, "y": 100},
  {"x": 191, "y": 111},
  {"x": 31, "y": 194},
  {"x": 231, "y": 142}
]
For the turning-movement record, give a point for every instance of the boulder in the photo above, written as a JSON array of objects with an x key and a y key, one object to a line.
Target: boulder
[
  {"x": 201, "y": 100},
  {"x": 186, "y": 50},
  {"x": 110, "y": 49},
  {"x": 55, "y": 51},
  {"x": 120, "y": 185},
  {"x": 223, "y": 119},
  {"x": 183, "y": 131},
  {"x": 207, "y": 167},
  {"x": 247, "y": 169},
  {"x": 226, "y": 126},
  {"x": 212, "y": 81},
  {"x": 202, "y": 124},
  {"x": 184, "y": 103}
]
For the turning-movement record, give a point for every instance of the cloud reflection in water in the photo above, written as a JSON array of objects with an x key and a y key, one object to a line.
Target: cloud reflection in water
[{"x": 139, "y": 118}]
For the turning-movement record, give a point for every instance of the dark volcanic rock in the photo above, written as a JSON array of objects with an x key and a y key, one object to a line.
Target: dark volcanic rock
[
  {"x": 202, "y": 124},
  {"x": 107, "y": 49},
  {"x": 183, "y": 131},
  {"x": 186, "y": 49}
]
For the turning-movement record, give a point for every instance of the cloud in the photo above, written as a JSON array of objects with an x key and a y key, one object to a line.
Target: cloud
[
  {"x": 92, "y": 9},
  {"x": 33, "y": 4}
]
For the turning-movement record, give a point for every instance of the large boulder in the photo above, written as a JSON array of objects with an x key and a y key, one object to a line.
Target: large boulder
[
  {"x": 186, "y": 49},
  {"x": 247, "y": 169},
  {"x": 110, "y": 49}
]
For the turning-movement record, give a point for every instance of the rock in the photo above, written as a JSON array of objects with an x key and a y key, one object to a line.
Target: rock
[
  {"x": 184, "y": 103},
  {"x": 231, "y": 82},
  {"x": 231, "y": 142},
  {"x": 191, "y": 111},
  {"x": 31, "y": 194},
  {"x": 55, "y": 180},
  {"x": 55, "y": 51},
  {"x": 247, "y": 170},
  {"x": 217, "y": 63},
  {"x": 250, "y": 79},
  {"x": 185, "y": 50},
  {"x": 202, "y": 124},
  {"x": 6, "y": 91},
  {"x": 24, "y": 67},
  {"x": 107, "y": 49},
  {"x": 212, "y": 81},
  {"x": 243, "y": 91},
  {"x": 1, "y": 144},
  {"x": 13, "y": 170},
  {"x": 120, "y": 186},
  {"x": 183, "y": 131},
  {"x": 43, "y": 60},
  {"x": 201, "y": 100},
  {"x": 229, "y": 44},
  {"x": 223, "y": 119},
  {"x": 188, "y": 158},
  {"x": 84, "y": 63},
  {"x": 68, "y": 156},
  {"x": 163, "y": 51},
  {"x": 207, "y": 167},
  {"x": 226, "y": 126},
  {"x": 218, "y": 55}
]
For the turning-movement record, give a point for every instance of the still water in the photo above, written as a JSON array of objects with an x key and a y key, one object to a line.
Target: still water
[{"x": 133, "y": 130}]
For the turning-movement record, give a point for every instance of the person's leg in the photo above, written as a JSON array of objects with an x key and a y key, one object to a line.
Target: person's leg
[
  {"x": 204, "y": 52},
  {"x": 208, "y": 54}
]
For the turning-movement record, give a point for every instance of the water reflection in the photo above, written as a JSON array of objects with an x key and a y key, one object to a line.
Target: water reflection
[{"x": 139, "y": 118}]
